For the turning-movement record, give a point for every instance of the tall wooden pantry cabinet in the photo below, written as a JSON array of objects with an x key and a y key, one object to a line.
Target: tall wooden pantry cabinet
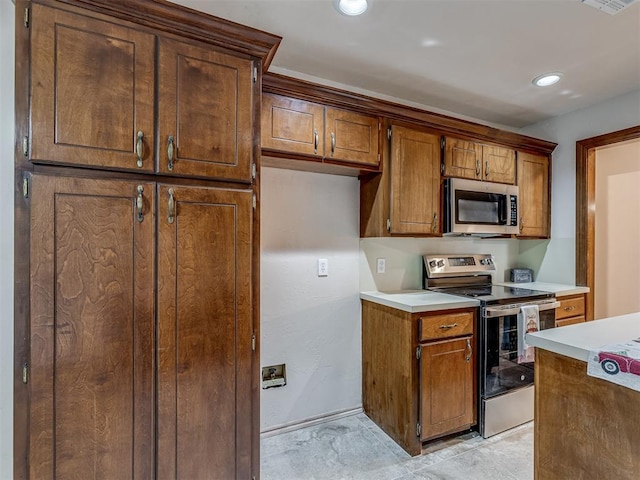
[{"x": 137, "y": 236}]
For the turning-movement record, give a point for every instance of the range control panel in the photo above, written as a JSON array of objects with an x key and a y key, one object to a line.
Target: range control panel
[{"x": 455, "y": 265}]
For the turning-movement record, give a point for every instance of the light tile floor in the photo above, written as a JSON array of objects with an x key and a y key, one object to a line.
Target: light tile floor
[{"x": 355, "y": 448}]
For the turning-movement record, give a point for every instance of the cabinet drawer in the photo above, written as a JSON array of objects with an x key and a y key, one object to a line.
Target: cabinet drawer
[
  {"x": 569, "y": 321},
  {"x": 570, "y": 307},
  {"x": 442, "y": 326}
]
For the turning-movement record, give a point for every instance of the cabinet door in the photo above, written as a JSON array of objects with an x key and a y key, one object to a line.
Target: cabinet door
[
  {"x": 204, "y": 333},
  {"x": 351, "y": 137},
  {"x": 91, "y": 330},
  {"x": 292, "y": 125},
  {"x": 92, "y": 92},
  {"x": 499, "y": 164},
  {"x": 415, "y": 182},
  {"x": 533, "y": 186},
  {"x": 447, "y": 395},
  {"x": 462, "y": 159},
  {"x": 205, "y": 112}
]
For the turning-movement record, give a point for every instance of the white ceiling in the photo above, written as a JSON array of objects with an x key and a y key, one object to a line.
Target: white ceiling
[{"x": 473, "y": 58}]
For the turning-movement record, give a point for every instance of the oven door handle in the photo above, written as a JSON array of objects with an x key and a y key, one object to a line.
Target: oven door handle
[{"x": 491, "y": 312}]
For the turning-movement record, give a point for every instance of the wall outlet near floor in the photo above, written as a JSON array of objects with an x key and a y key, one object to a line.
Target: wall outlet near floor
[
  {"x": 274, "y": 376},
  {"x": 381, "y": 265},
  {"x": 323, "y": 267}
]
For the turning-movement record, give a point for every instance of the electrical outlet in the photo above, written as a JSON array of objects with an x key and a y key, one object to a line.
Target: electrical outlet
[
  {"x": 380, "y": 265},
  {"x": 323, "y": 267}
]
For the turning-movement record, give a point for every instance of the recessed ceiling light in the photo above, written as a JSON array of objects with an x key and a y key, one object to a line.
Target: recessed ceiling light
[
  {"x": 546, "y": 79},
  {"x": 352, "y": 7}
]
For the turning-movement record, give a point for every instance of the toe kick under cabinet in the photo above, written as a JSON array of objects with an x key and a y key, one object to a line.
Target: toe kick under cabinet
[{"x": 418, "y": 380}]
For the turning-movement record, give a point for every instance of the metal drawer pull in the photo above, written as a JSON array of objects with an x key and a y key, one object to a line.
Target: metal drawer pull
[
  {"x": 434, "y": 224},
  {"x": 486, "y": 168},
  {"x": 477, "y": 167},
  {"x": 139, "y": 203},
  {"x": 140, "y": 148},
  {"x": 315, "y": 141},
  {"x": 172, "y": 206},
  {"x": 569, "y": 308},
  {"x": 447, "y": 327},
  {"x": 521, "y": 224},
  {"x": 467, "y": 357},
  {"x": 170, "y": 152},
  {"x": 333, "y": 143}
]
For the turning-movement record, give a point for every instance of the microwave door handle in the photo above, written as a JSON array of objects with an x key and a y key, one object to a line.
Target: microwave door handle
[{"x": 502, "y": 209}]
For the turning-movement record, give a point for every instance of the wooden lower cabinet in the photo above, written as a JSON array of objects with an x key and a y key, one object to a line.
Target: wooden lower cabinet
[
  {"x": 418, "y": 386},
  {"x": 571, "y": 310},
  {"x": 447, "y": 402},
  {"x": 108, "y": 318}
]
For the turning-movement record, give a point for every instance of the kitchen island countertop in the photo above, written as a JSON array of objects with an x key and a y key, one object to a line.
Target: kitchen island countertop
[
  {"x": 415, "y": 301},
  {"x": 577, "y": 340}
]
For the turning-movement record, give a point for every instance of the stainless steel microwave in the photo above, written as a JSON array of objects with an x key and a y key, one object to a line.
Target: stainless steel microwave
[{"x": 479, "y": 208}]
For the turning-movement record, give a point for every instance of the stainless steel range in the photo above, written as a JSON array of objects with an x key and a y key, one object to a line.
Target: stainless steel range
[{"x": 505, "y": 396}]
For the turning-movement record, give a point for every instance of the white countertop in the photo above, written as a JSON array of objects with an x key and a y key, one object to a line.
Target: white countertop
[
  {"x": 557, "y": 288},
  {"x": 577, "y": 340},
  {"x": 414, "y": 301}
]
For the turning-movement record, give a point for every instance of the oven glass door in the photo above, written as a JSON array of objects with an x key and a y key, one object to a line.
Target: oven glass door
[{"x": 501, "y": 371}]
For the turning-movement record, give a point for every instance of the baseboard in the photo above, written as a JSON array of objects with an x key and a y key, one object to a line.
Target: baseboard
[{"x": 309, "y": 422}]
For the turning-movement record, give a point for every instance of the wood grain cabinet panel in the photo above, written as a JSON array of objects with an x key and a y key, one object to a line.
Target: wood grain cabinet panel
[
  {"x": 319, "y": 133},
  {"x": 205, "y": 112},
  {"x": 436, "y": 327},
  {"x": 415, "y": 182},
  {"x": 204, "y": 333},
  {"x": 476, "y": 161},
  {"x": 534, "y": 193},
  {"x": 292, "y": 125},
  {"x": 92, "y": 329},
  {"x": 571, "y": 310},
  {"x": 92, "y": 92},
  {"x": 351, "y": 137},
  {"x": 447, "y": 398}
]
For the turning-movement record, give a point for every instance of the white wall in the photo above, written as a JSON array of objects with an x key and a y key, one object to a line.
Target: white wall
[
  {"x": 6, "y": 237},
  {"x": 617, "y": 230},
  {"x": 403, "y": 257},
  {"x": 554, "y": 260},
  {"x": 310, "y": 323}
]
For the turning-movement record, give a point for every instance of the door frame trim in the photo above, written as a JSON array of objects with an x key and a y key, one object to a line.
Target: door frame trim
[{"x": 586, "y": 203}]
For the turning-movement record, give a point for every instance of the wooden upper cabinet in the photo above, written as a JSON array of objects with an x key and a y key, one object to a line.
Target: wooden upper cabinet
[
  {"x": 292, "y": 125},
  {"x": 351, "y": 137},
  {"x": 92, "y": 328},
  {"x": 534, "y": 193},
  {"x": 466, "y": 159},
  {"x": 415, "y": 182},
  {"x": 92, "y": 92},
  {"x": 205, "y": 357},
  {"x": 305, "y": 128},
  {"x": 499, "y": 164},
  {"x": 205, "y": 110}
]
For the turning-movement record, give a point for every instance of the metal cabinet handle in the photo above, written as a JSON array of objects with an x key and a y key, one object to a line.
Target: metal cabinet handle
[
  {"x": 486, "y": 168},
  {"x": 434, "y": 224},
  {"x": 467, "y": 357},
  {"x": 477, "y": 167},
  {"x": 521, "y": 224},
  {"x": 333, "y": 143},
  {"x": 139, "y": 203},
  {"x": 172, "y": 206},
  {"x": 315, "y": 141},
  {"x": 170, "y": 152},
  {"x": 447, "y": 327},
  {"x": 570, "y": 308},
  {"x": 140, "y": 148}
]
